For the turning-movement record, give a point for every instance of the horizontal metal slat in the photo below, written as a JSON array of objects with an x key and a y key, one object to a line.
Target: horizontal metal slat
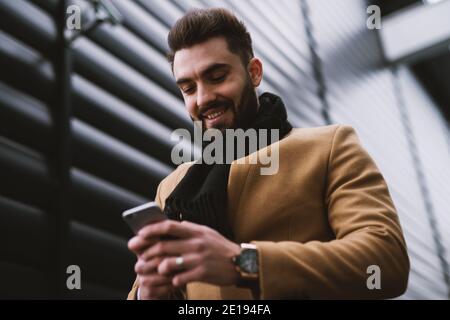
[
  {"x": 166, "y": 11},
  {"x": 143, "y": 24},
  {"x": 115, "y": 117},
  {"x": 102, "y": 257},
  {"x": 99, "y": 203},
  {"x": 22, "y": 66},
  {"x": 137, "y": 54},
  {"x": 102, "y": 68},
  {"x": 25, "y": 176},
  {"x": 24, "y": 119},
  {"x": 113, "y": 160},
  {"x": 28, "y": 23},
  {"x": 24, "y": 234}
]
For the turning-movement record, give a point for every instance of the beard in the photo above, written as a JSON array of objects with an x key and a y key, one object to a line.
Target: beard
[
  {"x": 246, "y": 112},
  {"x": 243, "y": 114}
]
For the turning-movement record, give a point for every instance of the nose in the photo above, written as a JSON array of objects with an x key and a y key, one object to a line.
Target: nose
[{"x": 205, "y": 96}]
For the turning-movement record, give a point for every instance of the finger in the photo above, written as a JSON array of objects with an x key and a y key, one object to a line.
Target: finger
[
  {"x": 154, "y": 280},
  {"x": 170, "y": 248},
  {"x": 138, "y": 244},
  {"x": 170, "y": 265},
  {"x": 156, "y": 293},
  {"x": 196, "y": 274},
  {"x": 169, "y": 227},
  {"x": 146, "y": 267}
]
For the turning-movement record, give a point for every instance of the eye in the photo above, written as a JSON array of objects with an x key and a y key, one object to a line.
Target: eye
[
  {"x": 218, "y": 78},
  {"x": 188, "y": 90}
]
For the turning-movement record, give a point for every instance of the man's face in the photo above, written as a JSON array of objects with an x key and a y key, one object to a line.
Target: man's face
[{"x": 216, "y": 86}]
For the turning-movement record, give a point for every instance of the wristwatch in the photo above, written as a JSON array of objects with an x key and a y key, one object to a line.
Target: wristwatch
[{"x": 247, "y": 265}]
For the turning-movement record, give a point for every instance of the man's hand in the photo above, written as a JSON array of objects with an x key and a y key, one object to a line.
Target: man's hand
[
  {"x": 205, "y": 253},
  {"x": 152, "y": 285}
]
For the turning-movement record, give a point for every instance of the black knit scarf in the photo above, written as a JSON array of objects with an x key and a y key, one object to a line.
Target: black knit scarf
[{"x": 201, "y": 196}]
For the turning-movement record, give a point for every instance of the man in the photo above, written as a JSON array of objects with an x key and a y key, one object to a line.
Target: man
[{"x": 315, "y": 229}]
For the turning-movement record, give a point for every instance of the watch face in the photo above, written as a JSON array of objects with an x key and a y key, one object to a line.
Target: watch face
[{"x": 249, "y": 261}]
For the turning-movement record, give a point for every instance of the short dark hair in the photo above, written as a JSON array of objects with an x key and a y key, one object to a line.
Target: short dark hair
[{"x": 200, "y": 25}]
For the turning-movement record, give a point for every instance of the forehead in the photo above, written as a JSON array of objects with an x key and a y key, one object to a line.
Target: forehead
[{"x": 189, "y": 62}]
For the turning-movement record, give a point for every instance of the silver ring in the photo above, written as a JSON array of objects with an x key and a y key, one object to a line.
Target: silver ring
[{"x": 179, "y": 261}]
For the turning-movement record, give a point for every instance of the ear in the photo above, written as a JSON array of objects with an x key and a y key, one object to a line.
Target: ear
[{"x": 255, "y": 70}]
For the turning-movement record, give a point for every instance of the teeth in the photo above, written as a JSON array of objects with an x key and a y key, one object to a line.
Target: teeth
[{"x": 215, "y": 115}]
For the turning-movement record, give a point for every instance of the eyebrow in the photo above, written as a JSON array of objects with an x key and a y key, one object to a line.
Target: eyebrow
[{"x": 208, "y": 70}]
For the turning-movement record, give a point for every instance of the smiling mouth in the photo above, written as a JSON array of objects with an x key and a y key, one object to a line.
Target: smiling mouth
[{"x": 215, "y": 115}]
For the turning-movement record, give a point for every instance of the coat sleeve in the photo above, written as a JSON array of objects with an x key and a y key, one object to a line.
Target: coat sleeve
[
  {"x": 367, "y": 230},
  {"x": 179, "y": 294}
]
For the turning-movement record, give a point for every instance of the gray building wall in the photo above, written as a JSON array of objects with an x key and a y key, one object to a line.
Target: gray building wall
[{"x": 401, "y": 128}]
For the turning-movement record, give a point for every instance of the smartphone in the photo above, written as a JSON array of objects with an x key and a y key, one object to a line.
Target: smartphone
[{"x": 142, "y": 215}]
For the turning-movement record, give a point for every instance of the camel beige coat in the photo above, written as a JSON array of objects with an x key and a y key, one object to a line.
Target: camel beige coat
[{"x": 318, "y": 224}]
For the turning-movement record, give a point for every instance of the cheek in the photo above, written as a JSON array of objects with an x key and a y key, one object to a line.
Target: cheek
[
  {"x": 233, "y": 91},
  {"x": 191, "y": 107}
]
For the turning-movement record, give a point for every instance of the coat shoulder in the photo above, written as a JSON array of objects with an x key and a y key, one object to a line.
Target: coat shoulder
[
  {"x": 323, "y": 135},
  {"x": 316, "y": 133}
]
